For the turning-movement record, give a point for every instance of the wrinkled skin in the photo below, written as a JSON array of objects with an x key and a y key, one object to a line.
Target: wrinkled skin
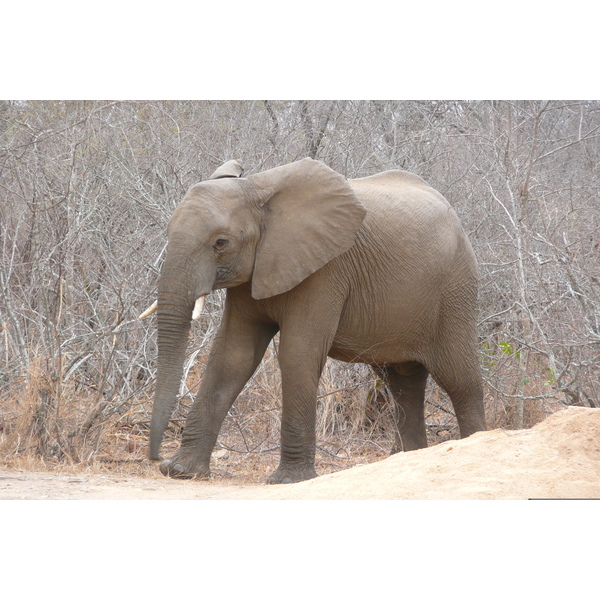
[{"x": 375, "y": 270}]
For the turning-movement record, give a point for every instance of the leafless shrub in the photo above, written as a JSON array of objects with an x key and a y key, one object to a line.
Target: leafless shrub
[{"x": 86, "y": 191}]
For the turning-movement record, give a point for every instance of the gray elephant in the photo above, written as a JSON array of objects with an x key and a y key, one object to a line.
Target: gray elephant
[{"x": 375, "y": 270}]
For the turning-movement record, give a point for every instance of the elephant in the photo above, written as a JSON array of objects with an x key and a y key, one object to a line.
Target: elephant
[{"x": 376, "y": 270}]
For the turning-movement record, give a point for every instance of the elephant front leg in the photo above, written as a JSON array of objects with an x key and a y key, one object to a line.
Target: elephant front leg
[
  {"x": 237, "y": 351},
  {"x": 203, "y": 424},
  {"x": 301, "y": 368},
  {"x": 298, "y": 439}
]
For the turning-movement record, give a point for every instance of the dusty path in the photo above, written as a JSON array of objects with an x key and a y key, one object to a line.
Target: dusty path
[{"x": 559, "y": 458}]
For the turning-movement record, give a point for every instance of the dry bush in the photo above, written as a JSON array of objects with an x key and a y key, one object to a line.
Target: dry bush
[
  {"x": 86, "y": 191},
  {"x": 48, "y": 422}
]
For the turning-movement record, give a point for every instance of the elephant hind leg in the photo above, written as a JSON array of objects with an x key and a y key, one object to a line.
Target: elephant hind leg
[
  {"x": 407, "y": 383},
  {"x": 460, "y": 377}
]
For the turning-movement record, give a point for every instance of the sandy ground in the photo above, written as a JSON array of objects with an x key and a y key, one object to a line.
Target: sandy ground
[{"x": 559, "y": 458}]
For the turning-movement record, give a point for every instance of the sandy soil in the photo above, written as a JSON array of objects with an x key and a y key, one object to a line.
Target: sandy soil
[{"x": 559, "y": 458}]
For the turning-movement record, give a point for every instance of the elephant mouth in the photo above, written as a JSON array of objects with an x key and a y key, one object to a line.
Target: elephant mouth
[{"x": 223, "y": 273}]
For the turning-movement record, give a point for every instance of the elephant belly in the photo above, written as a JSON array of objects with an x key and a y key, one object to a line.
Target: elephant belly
[{"x": 390, "y": 341}]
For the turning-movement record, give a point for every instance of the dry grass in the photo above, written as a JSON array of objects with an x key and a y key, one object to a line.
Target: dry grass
[{"x": 53, "y": 426}]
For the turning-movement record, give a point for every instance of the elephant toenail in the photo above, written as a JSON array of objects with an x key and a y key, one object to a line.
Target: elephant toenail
[
  {"x": 177, "y": 469},
  {"x": 171, "y": 469},
  {"x": 165, "y": 466}
]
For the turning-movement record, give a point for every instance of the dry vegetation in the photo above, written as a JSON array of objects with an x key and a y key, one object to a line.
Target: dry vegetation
[{"x": 86, "y": 190}]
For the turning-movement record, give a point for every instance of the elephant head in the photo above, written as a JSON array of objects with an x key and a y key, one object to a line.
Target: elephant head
[{"x": 273, "y": 229}]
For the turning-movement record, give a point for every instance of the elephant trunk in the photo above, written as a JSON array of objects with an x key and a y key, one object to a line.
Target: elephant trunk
[
  {"x": 176, "y": 302},
  {"x": 173, "y": 333}
]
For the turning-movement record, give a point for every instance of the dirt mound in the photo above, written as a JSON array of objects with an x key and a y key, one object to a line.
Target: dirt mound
[{"x": 559, "y": 458}]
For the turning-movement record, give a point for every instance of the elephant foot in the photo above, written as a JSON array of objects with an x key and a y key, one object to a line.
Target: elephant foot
[
  {"x": 176, "y": 468},
  {"x": 289, "y": 474}
]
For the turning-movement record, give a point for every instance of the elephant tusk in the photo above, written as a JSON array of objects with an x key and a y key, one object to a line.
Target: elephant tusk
[
  {"x": 198, "y": 308},
  {"x": 149, "y": 310}
]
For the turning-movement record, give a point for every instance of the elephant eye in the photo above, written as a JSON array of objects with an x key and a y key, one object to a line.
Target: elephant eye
[{"x": 220, "y": 244}]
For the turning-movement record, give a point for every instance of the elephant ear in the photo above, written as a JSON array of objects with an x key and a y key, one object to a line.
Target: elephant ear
[
  {"x": 231, "y": 168},
  {"x": 311, "y": 215}
]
